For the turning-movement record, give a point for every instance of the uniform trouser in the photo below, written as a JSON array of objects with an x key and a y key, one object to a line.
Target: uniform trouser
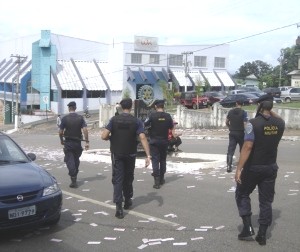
[
  {"x": 122, "y": 176},
  {"x": 235, "y": 137},
  {"x": 264, "y": 177},
  {"x": 72, "y": 151},
  {"x": 159, "y": 158}
]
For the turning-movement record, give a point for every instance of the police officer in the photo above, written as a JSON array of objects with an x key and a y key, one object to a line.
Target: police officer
[
  {"x": 160, "y": 123},
  {"x": 257, "y": 167},
  {"x": 235, "y": 121},
  {"x": 70, "y": 134},
  {"x": 122, "y": 131}
]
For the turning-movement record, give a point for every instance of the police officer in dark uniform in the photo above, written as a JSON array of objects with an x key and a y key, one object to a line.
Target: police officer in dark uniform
[
  {"x": 70, "y": 134},
  {"x": 235, "y": 121},
  {"x": 160, "y": 123},
  {"x": 122, "y": 131},
  {"x": 257, "y": 167}
]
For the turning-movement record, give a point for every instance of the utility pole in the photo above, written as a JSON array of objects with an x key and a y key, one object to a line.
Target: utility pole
[
  {"x": 186, "y": 66},
  {"x": 18, "y": 61}
]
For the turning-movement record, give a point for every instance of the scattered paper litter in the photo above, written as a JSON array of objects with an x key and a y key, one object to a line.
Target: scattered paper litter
[
  {"x": 76, "y": 214},
  {"x": 219, "y": 227},
  {"x": 171, "y": 215},
  {"x": 294, "y": 190},
  {"x": 69, "y": 197},
  {"x": 206, "y": 227},
  {"x": 140, "y": 180},
  {"x": 144, "y": 221},
  {"x": 292, "y": 194},
  {"x": 81, "y": 200},
  {"x": 110, "y": 238},
  {"x": 286, "y": 176},
  {"x": 94, "y": 242},
  {"x": 64, "y": 210},
  {"x": 190, "y": 186},
  {"x": 78, "y": 219},
  {"x": 82, "y": 211},
  {"x": 221, "y": 177},
  {"x": 94, "y": 224},
  {"x": 119, "y": 229},
  {"x": 143, "y": 246},
  {"x": 296, "y": 182},
  {"x": 102, "y": 212},
  {"x": 290, "y": 172},
  {"x": 201, "y": 229},
  {"x": 154, "y": 243},
  {"x": 197, "y": 238},
  {"x": 55, "y": 240},
  {"x": 154, "y": 240},
  {"x": 152, "y": 219},
  {"x": 168, "y": 239},
  {"x": 181, "y": 228},
  {"x": 179, "y": 243},
  {"x": 85, "y": 190}
]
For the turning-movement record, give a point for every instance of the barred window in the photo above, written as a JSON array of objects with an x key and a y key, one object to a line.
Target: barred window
[
  {"x": 219, "y": 62},
  {"x": 175, "y": 60},
  {"x": 200, "y": 61},
  {"x": 136, "y": 58},
  {"x": 154, "y": 58}
]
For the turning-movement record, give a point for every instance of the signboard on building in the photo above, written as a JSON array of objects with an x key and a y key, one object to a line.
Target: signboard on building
[{"x": 142, "y": 43}]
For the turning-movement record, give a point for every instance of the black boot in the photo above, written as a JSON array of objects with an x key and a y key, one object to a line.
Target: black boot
[
  {"x": 162, "y": 179},
  {"x": 247, "y": 231},
  {"x": 156, "y": 182},
  {"x": 261, "y": 235},
  {"x": 119, "y": 211},
  {"x": 229, "y": 163},
  {"x": 128, "y": 203},
  {"x": 73, "y": 182}
]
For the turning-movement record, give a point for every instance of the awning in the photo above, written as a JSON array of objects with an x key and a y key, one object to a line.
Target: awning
[
  {"x": 211, "y": 78},
  {"x": 90, "y": 75},
  {"x": 225, "y": 79},
  {"x": 181, "y": 78},
  {"x": 67, "y": 76}
]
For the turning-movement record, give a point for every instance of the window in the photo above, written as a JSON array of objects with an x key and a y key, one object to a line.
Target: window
[
  {"x": 136, "y": 58},
  {"x": 95, "y": 94},
  {"x": 219, "y": 62},
  {"x": 71, "y": 94},
  {"x": 175, "y": 60},
  {"x": 200, "y": 61},
  {"x": 154, "y": 59}
]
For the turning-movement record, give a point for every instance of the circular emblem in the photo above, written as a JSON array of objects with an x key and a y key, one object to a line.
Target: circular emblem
[
  {"x": 146, "y": 94},
  {"x": 20, "y": 198}
]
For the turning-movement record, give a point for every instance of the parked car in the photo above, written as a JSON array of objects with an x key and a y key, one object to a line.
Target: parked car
[
  {"x": 189, "y": 99},
  {"x": 245, "y": 98},
  {"x": 293, "y": 94},
  {"x": 274, "y": 91},
  {"x": 214, "y": 96},
  {"x": 284, "y": 88},
  {"x": 29, "y": 195}
]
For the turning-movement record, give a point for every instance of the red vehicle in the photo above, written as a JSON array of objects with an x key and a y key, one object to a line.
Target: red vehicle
[{"x": 190, "y": 100}]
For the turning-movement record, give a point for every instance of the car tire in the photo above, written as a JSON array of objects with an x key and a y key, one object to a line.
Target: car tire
[{"x": 287, "y": 99}]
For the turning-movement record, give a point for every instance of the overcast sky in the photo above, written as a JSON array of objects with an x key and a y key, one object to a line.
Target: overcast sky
[{"x": 173, "y": 22}]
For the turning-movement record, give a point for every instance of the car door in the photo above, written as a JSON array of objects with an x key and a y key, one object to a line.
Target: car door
[{"x": 295, "y": 94}]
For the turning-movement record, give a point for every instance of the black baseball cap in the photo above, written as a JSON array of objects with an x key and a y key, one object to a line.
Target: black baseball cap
[
  {"x": 72, "y": 104},
  {"x": 159, "y": 102}
]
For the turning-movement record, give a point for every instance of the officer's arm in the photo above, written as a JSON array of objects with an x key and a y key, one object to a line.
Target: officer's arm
[
  {"x": 105, "y": 134},
  {"x": 244, "y": 155},
  {"x": 61, "y": 136}
]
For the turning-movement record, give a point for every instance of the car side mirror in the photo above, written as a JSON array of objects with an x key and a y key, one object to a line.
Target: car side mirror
[{"x": 32, "y": 156}]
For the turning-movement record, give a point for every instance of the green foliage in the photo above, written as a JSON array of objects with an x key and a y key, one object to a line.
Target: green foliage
[
  {"x": 126, "y": 93},
  {"x": 168, "y": 94},
  {"x": 258, "y": 68}
]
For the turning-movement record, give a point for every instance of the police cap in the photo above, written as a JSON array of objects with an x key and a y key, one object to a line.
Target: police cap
[
  {"x": 266, "y": 97},
  {"x": 72, "y": 104}
]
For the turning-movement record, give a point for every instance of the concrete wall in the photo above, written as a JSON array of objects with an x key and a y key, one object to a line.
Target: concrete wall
[
  {"x": 216, "y": 118},
  {"x": 208, "y": 119}
]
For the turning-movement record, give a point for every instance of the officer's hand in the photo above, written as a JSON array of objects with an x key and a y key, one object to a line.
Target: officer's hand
[
  {"x": 238, "y": 176},
  {"x": 147, "y": 161}
]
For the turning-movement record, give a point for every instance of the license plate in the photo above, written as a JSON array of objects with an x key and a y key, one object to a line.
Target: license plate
[{"x": 21, "y": 212}]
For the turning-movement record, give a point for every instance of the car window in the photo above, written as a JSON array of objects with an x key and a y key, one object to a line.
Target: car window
[{"x": 9, "y": 151}]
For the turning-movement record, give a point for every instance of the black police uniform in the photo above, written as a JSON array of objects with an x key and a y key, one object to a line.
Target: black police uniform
[
  {"x": 72, "y": 125},
  {"x": 261, "y": 167},
  {"x": 237, "y": 117},
  {"x": 124, "y": 129},
  {"x": 160, "y": 123}
]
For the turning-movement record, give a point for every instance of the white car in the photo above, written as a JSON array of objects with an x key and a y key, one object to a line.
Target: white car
[{"x": 293, "y": 94}]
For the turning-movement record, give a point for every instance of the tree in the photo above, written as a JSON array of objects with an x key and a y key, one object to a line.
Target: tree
[
  {"x": 258, "y": 68},
  {"x": 168, "y": 94}
]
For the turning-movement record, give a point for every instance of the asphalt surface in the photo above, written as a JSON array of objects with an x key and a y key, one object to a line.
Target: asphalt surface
[{"x": 194, "y": 211}]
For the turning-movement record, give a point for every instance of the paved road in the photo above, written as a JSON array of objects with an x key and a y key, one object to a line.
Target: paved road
[{"x": 194, "y": 211}]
